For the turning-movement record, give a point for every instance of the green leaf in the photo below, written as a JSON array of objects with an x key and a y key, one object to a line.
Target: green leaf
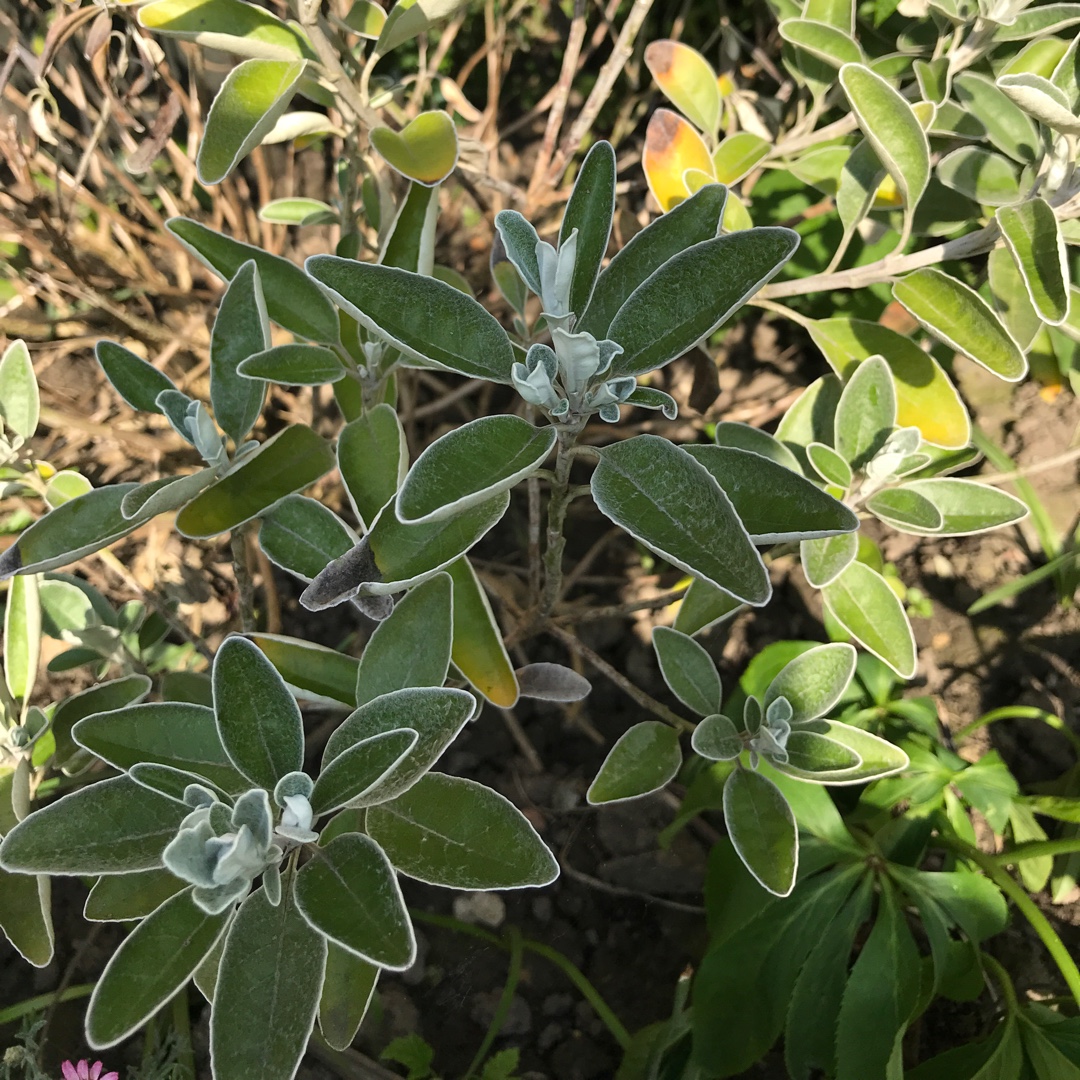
[
  {"x": 688, "y": 670},
  {"x": 126, "y": 897},
  {"x": 72, "y": 530},
  {"x": 1011, "y": 300},
  {"x": 229, "y": 25},
  {"x": 26, "y": 916},
  {"x": 866, "y": 414},
  {"x": 165, "y": 779},
  {"x": 135, "y": 380},
  {"x": 394, "y": 556},
  {"x": 880, "y": 996},
  {"x": 829, "y": 465},
  {"x": 429, "y": 321},
  {"x": 825, "y": 559},
  {"x": 589, "y": 210},
  {"x": 302, "y": 536},
  {"x": 424, "y": 151},
  {"x": 111, "y": 827},
  {"x": 470, "y": 464},
  {"x": 311, "y": 671},
  {"x": 860, "y": 177},
  {"x": 437, "y": 714},
  {"x": 412, "y": 646},
  {"x": 1066, "y": 75},
  {"x": 810, "y": 1031},
  {"x": 408, "y": 19},
  {"x": 454, "y": 832},
  {"x": 347, "y": 990},
  {"x": 1008, "y": 127},
  {"x": 693, "y": 221},
  {"x": 645, "y": 758},
  {"x": 774, "y": 504},
  {"x": 65, "y": 486},
  {"x": 717, "y": 738},
  {"x": 703, "y": 606},
  {"x": 294, "y": 365},
  {"x": 359, "y": 771},
  {"x": 892, "y": 129},
  {"x": 1034, "y": 240},
  {"x": 19, "y": 400},
  {"x": 410, "y": 242},
  {"x": 670, "y": 502},
  {"x": 155, "y": 960},
  {"x": 861, "y": 600},
  {"x": 288, "y": 461},
  {"x": 925, "y": 397},
  {"x": 166, "y": 733},
  {"x": 966, "y": 506},
  {"x": 1040, "y": 98},
  {"x": 297, "y": 211},
  {"x": 1045, "y": 19},
  {"x": 814, "y": 681},
  {"x": 762, "y": 829},
  {"x": 988, "y": 178},
  {"x": 822, "y": 41},
  {"x": 958, "y": 316},
  {"x": 267, "y": 991},
  {"x": 349, "y": 893},
  {"x": 904, "y": 509},
  {"x": 692, "y": 293},
  {"x": 255, "y": 93},
  {"x": 478, "y": 651},
  {"x": 373, "y": 459},
  {"x": 165, "y": 495},
  {"x": 738, "y": 154},
  {"x": 241, "y": 329},
  {"x": 258, "y": 720},
  {"x": 876, "y": 756},
  {"x": 745, "y": 437},
  {"x": 100, "y": 698},
  {"x": 22, "y": 636},
  {"x": 293, "y": 300},
  {"x": 519, "y": 240}
]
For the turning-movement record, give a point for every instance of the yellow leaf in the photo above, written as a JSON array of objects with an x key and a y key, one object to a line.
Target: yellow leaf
[{"x": 672, "y": 147}]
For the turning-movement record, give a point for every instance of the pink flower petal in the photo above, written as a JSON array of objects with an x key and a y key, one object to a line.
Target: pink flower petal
[
  {"x": 111, "y": 1076},
  {"x": 95, "y": 1070},
  {"x": 84, "y": 1069},
  {"x": 69, "y": 1071}
]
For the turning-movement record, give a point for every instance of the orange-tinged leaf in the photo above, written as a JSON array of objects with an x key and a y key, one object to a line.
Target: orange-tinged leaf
[
  {"x": 425, "y": 150},
  {"x": 672, "y": 146},
  {"x": 688, "y": 80},
  {"x": 478, "y": 651}
]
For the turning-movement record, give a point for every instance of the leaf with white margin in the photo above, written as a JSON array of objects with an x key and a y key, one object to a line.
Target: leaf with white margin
[
  {"x": 966, "y": 506},
  {"x": 359, "y": 771},
  {"x": 154, "y": 961},
  {"x": 878, "y": 756},
  {"x": 717, "y": 738},
  {"x": 645, "y": 758},
  {"x": 230, "y": 25},
  {"x": 1033, "y": 236},
  {"x": 824, "y": 560},
  {"x": 659, "y": 494},
  {"x": 349, "y": 893},
  {"x": 774, "y": 504},
  {"x": 266, "y": 992},
  {"x": 109, "y": 827},
  {"x": 22, "y": 637},
  {"x": 437, "y": 714},
  {"x": 866, "y": 414},
  {"x": 454, "y": 832},
  {"x": 347, "y": 990},
  {"x": 255, "y": 93},
  {"x": 471, "y": 464},
  {"x": 552, "y": 682},
  {"x": 762, "y": 830},
  {"x": 1008, "y": 127},
  {"x": 744, "y": 437},
  {"x": 958, "y": 316},
  {"x": 861, "y": 600},
  {"x": 589, "y": 210},
  {"x": 19, "y": 399},
  {"x": 814, "y": 681},
  {"x": 986, "y": 177},
  {"x": 688, "y": 670},
  {"x": 904, "y": 508},
  {"x": 1040, "y": 98}
]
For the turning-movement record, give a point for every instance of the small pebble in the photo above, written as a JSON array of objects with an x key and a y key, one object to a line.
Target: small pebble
[{"x": 480, "y": 908}]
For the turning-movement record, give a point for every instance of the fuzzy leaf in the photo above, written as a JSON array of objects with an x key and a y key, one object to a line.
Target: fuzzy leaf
[
  {"x": 762, "y": 829},
  {"x": 688, "y": 670},
  {"x": 1034, "y": 239},
  {"x": 645, "y": 758}
]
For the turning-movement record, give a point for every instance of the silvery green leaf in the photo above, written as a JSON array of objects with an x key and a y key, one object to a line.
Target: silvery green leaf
[
  {"x": 645, "y": 758},
  {"x": 127, "y": 897},
  {"x": 294, "y": 783},
  {"x": 551, "y": 682},
  {"x": 165, "y": 495},
  {"x": 866, "y": 413},
  {"x": 373, "y": 458},
  {"x": 154, "y": 961},
  {"x": 134, "y": 379},
  {"x": 19, "y": 400},
  {"x": 813, "y": 682},
  {"x": 645, "y": 397},
  {"x": 253, "y": 810},
  {"x": 745, "y": 437},
  {"x": 966, "y": 506},
  {"x": 556, "y": 277},
  {"x": 455, "y": 832},
  {"x": 752, "y": 714},
  {"x": 688, "y": 670},
  {"x": 609, "y": 413},
  {"x": 905, "y": 509},
  {"x": 824, "y": 559},
  {"x": 762, "y": 829},
  {"x": 174, "y": 405},
  {"x": 1040, "y": 98},
  {"x": 347, "y": 990},
  {"x": 1008, "y": 127},
  {"x": 1034, "y": 239},
  {"x": 589, "y": 212},
  {"x": 271, "y": 883},
  {"x": 534, "y": 380},
  {"x": 359, "y": 771},
  {"x": 520, "y": 242},
  {"x": 717, "y": 739},
  {"x": 829, "y": 465}
]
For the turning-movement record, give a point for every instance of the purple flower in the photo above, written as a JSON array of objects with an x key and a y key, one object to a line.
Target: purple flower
[{"x": 83, "y": 1070}]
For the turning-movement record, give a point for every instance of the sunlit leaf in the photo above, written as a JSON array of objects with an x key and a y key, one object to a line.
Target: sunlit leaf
[
  {"x": 425, "y": 150},
  {"x": 1034, "y": 239},
  {"x": 643, "y": 760},
  {"x": 672, "y": 146},
  {"x": 762, "y": 829},
  {"x": 688, "y": 81}
]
